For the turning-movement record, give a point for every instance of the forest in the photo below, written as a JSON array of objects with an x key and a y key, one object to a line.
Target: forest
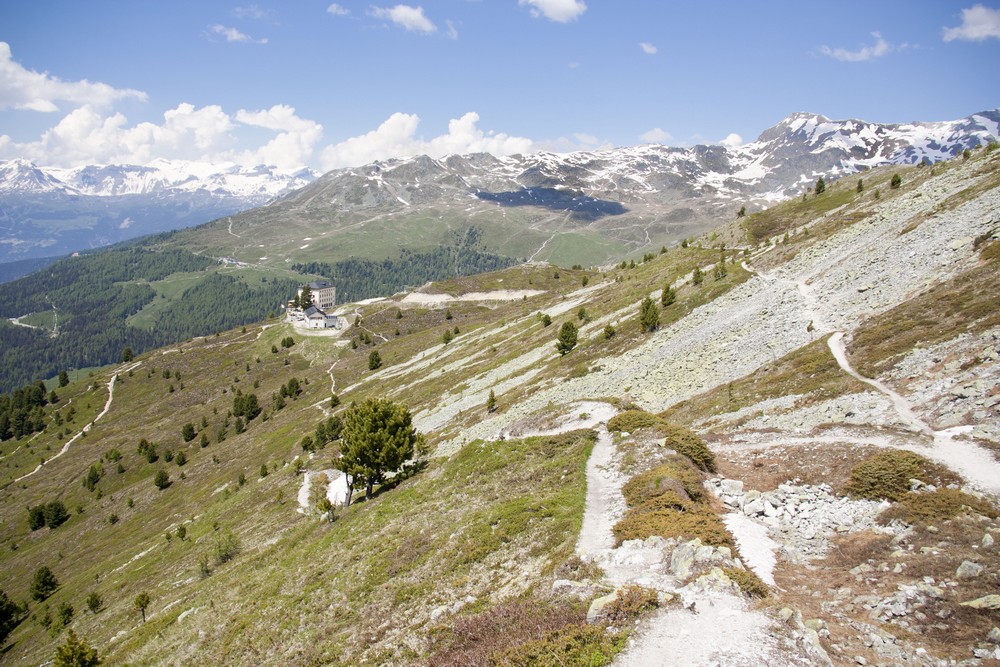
[
  {"x": 358, "y": 279},
  {"x": 94, "y": 295}
]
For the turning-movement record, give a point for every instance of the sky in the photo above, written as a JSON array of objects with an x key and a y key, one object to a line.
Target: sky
[{"x": 330, "y": 85}]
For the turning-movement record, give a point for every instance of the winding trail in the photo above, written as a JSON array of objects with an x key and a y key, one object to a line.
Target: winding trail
[
  {"x": 975, "y": 464},
  {"x": 85, "y": 429}
]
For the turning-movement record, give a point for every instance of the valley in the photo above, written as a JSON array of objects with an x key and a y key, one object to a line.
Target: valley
[{"x": 795, "y": 464}]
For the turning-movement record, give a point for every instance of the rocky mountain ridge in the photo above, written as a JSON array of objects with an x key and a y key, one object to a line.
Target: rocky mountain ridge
[{"x": 588, "y": 206}]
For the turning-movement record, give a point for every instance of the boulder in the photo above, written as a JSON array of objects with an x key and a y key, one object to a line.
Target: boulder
[
  {"x": 991, "y": 601},
  {"x": 968, "y": 570},
  {"x": 598, "y": 605}
]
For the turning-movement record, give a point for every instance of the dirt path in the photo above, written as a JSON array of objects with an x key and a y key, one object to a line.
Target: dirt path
[{"x": 85, "y": 429}]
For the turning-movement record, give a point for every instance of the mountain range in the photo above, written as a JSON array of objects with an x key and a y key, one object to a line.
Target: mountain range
[
  {"x": 582, "y": 207},
  {"x": 51, "y": 211}
]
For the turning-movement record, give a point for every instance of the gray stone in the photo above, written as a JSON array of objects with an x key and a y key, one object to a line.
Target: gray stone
[
  {"x": 753, "y": 507},
  {"x": 968, "y": 570},
  {"x": 732, "y": 487},
  {"x": 598, "y": 605},
  {"x": 987, "y": 541},
  {"x": 991, "y": 601},
  {"x": 682, "y": 558},
  {"x": 994, "y": 635}
]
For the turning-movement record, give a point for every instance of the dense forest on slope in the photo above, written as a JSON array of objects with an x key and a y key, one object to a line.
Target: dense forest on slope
[
  {"x": 358, "y": 279},
  {"x": 91, "y": 296}
]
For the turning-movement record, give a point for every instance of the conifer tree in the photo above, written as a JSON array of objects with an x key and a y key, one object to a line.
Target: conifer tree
[
  {"x": 567, "y": 338},
  {"x": 649, "y": 315}
]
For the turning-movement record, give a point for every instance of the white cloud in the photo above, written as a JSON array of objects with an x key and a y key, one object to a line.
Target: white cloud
[
  {"x": 234, "y": 35},
  {"x": 647, "y": 48},
  {"x": 396, "y": 137},
  {"x": 207, "y": 134},
  {"x": 452, "y": 30},
  {"x": 337, "y": 10},
  {"x": 978, "y": 23},
  {"x": 561, "y": 11},
  {"x": 876, "y": 50},
  {"x": 291, "y": 148},
  {"x": 405, "y": 16},
  {"x": 573, "y": 64},
  {"x": 250, "y": 12},
  {"x": 21, "y": 88},
  {"x": 579, "y": 141},
  {"x": 656, "y": 136},
  {"x": 732, "y": 140}
]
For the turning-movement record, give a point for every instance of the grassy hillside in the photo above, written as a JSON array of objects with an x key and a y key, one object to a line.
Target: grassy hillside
[{"x": 473, "y": 536}]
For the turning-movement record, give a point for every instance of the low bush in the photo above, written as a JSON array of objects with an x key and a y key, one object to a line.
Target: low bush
[
  {"x": 578, "y": 569},
  {"x": 936, "y": 506},
  {"x": 675, "y": 474},
  {"x": 573, "y": 645},
  {"x": 687, "y": 443},
  {"x": 669, "y": 501},
  {"x": 693, "y": 521},
  {"x": 887, "y": 475},
  {"x": 631, "y": 602},
  {"x": 632, "y": 420},
  {"x": 748, "y": 582}
]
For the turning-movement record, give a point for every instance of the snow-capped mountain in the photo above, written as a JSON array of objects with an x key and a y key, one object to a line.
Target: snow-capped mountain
[
  {"x": 53, "y": 211},
  {"x": 255, "y": 184},
  {"x": 631, "y": 197}
]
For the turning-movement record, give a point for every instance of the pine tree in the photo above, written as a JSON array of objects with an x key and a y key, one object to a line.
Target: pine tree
[
  {"x": 820, "y": 186},
  {"x": 861, "y": 185},
  {"x": 491, "y": 402},
  {"x": 378, "y": 438},
  {"x": 668, "y": 296},
  {"x": 896, "y": 181},
  {"x": 567, "y": 338},
  {"x": 76, "y": 653},
  {"x": 374, "y": 360},
  {"x": 43, "y": 584},
  {"x": 63, "y": 378},
  {"x": 697, "y": 277},
  {"x": 141, "y": 603},
  {"x": 649, "y": 315},
  {"x": 162, "y": 479}
]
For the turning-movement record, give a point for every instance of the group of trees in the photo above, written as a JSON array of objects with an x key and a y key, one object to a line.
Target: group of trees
[
  {"x": 359, "y": 279},
  {"x": 52, "y": 514},
  {"x": 21, "y": 411},
  {"x": 96, "y": 293}
]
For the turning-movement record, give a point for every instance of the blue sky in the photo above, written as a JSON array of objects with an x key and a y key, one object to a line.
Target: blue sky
[{"x": 326, "y": 85}]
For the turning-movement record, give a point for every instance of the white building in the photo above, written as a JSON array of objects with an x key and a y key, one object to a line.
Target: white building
[{"x": 314, "y": 318}]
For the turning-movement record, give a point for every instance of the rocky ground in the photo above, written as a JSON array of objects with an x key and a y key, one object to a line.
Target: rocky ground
[{"x": 849, "y": 588}]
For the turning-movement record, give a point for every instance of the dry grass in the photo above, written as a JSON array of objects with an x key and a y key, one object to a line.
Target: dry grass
[{"x": 887, "y": 475}]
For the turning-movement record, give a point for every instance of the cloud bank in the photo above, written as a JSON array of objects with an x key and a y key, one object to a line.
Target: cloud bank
[{"x": 978, "y": 23}]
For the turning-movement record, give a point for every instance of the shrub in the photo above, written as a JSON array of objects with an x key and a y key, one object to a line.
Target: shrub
[
  {"x": 896, "y": 181},
  {"x": 94, "y": 602},
  {"x": 887, "y": 475},
  {"x": 629, "y": 603},
  {"x": 748, "y": 582},
  {"x": 609, "y": 332},
  {"x": 936, "y": 506},
  {"x": 227, "y": 546},
  {"x": 687, "y": 443},
  {"x": 573, "y": 645},
  {"x": 578, "y": 569},
  {"x": 668, "y": 501},
  {"x": 632, "y": 420}
]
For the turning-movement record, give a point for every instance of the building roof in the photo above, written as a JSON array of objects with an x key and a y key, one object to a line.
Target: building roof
[{"x": 320, "y": 284}]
